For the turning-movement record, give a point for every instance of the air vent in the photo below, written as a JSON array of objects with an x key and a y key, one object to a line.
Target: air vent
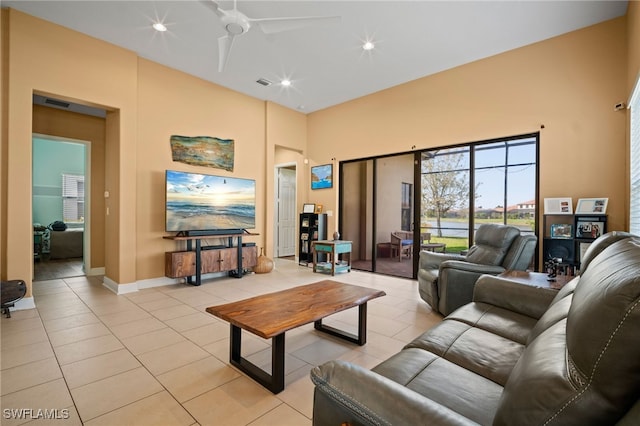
[
  {"x": 264, "y": 82},
  {"x": 57, "y": 103}
]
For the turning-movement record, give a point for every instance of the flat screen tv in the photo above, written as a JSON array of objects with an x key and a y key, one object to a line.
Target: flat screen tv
[{"x": 202, "y": 204}]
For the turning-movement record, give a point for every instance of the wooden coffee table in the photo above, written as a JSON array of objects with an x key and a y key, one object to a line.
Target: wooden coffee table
[{"x": 271, "y": 315}]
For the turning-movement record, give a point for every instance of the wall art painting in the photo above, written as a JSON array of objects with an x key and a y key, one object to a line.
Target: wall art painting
[
  {"x": 322, "y": 176},
  {"x": 203, "y": 151}
]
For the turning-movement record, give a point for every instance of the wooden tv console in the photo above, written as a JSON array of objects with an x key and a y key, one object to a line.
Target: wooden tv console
[{"x": 199, "y": 260}]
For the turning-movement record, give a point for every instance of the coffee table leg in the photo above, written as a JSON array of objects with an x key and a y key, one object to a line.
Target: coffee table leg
[
  {"x": 360, "y": 339},
  {"x": 274, "y": 381}
]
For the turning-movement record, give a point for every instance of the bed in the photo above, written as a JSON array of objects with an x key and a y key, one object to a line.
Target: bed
[{"x": 66, "y": 244}]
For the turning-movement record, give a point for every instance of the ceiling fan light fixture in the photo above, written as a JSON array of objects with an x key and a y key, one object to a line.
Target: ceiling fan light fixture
[{"x": 160, "y": 27}]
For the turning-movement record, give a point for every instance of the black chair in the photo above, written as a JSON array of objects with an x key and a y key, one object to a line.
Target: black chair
[{"x": 12, "y": 291}]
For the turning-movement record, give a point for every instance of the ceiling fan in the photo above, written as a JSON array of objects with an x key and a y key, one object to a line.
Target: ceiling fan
[{"x": 237, "y": 23}]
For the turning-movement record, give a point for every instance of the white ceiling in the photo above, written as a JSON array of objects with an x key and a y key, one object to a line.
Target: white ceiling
[{"x": 325, "y": 62}]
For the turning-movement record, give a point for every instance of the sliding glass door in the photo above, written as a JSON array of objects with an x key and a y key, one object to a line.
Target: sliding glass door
[
  {"x": 452, "y": 190},
  {"x": 356, "y": 210},
  {"x": 377, "y": 205},
  {"x": 394, "y": 224}
]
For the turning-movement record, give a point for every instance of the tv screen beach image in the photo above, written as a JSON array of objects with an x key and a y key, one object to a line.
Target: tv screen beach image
[{"x": 205, "y": 202}]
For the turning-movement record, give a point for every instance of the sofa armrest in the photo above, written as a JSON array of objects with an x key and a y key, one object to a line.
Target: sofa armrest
[
  {"x": 431, "y": 260},
  {"x": 521, "y": 298},
  {"x": 475, "y": 268},
  {"x": 348, "y": 393}
]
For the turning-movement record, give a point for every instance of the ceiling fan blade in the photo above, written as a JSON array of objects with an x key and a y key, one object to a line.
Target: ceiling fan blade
[
  {"x": 224, "y": 48},
  {"x": 212, "y": 4},
  {"x": 277, "y": 25}
]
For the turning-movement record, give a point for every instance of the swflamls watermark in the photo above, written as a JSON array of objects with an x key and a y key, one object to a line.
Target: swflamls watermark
[{"x": 35, "y": 413}]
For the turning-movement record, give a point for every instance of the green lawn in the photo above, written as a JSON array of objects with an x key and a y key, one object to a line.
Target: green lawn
[
  {"x": 457, "y": 244},
  {"x": 454, "y": 245}
]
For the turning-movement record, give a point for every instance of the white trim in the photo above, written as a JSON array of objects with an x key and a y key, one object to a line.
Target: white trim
[
  {"x": 23, "y": 304},
  {"x": 95, "y": 271},
  {"x": 119, "y": 288},
  {"x": 158, "y": 282}
]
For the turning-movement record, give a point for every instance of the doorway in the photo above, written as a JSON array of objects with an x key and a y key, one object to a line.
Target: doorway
[
  {"x": 377, "y": 213},
  {"x": 285, "y": 217},
  {"x": 60, "y": 193}
]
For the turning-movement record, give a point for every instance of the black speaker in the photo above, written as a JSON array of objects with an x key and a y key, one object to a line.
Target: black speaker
[{"x": 559, "y": 248}]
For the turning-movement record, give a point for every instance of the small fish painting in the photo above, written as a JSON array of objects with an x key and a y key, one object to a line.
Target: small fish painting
[{"x": 203, "y": 151}]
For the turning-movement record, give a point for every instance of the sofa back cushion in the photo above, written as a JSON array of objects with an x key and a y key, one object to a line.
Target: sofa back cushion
[
  {"x": 584, "y": 369},
  {"x": 557, "y": 310},
  {"x": 600, "y": 244},
  {"x": 492, "y": 241}
]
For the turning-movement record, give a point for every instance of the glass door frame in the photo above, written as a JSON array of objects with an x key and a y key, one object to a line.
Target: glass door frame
[{"x": 417, "y": 196}]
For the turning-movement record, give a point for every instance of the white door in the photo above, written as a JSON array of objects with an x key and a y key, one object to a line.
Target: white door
[{"x": 286, "y": 212}]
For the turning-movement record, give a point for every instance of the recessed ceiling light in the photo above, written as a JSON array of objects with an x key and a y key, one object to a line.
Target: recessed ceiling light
[
  {"x": 368, "y": 45},
  {"x": 286, "y": 82},
  {"x": 159, "y": 26}
]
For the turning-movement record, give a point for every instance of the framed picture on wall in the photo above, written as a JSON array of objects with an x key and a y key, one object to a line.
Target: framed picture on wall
[
  {"x": 589, "y": 228},
  {"x": 558, "y": 206},
  {"x": 592, "y": 206},
  {"x": 561, "y": 230},
  {"x": 308, "y": 208},
  {"x": 322, "y": 176}
]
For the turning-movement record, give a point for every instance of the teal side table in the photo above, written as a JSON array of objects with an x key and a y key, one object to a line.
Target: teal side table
[{"x": 333, "y": 248}]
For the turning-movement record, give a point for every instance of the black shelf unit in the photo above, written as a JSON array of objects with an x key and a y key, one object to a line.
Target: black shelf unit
[
  {"x": 572, "y": 243},
  {"x": 313, "y": 227}
]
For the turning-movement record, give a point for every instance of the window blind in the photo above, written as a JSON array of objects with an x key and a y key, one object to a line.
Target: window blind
[
  {"x": 72, "y": 197},
  {"x": 634, "y": 204}
]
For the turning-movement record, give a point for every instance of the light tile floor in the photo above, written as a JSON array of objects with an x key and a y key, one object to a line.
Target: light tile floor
[{"x": 88, "y": 356}]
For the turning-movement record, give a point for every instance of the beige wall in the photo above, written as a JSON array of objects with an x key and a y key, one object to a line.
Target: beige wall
[
  {"x": 4, "y": 146},
  {"x": 568, "y": 84},
  {"x": 633, "y": 47},
  {"x": 173, "y": 103},
  {"x": 146, "y": 104},
  {"x": 81, "y": 69},
  {"x": 286, "y": 131}
]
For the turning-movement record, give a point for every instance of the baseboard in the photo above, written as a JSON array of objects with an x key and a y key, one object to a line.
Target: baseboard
[
  {"x": 95, "y": 271},
  {"x": 151, "y": 282},
  {"x": 119, "y": 288},
  {"x": 24, "y": 303},
  {"x": 158, "y": 282}
]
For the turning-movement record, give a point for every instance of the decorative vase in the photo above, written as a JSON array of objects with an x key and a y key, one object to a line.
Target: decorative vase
[
  {"x": 336, "y": 236},
  {"x": 264, "y": 265}
]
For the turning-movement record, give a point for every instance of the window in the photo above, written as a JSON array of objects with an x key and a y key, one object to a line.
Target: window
[
  {"x": 72, "y": 198},
  {"x": 634, "y": 199},
  {"x": 496, "y": 180},
  {"x": 445, "y": 196}
]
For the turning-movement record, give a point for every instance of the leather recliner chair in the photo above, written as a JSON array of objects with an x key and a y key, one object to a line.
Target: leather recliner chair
[{"x": 446, "y": 281}]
